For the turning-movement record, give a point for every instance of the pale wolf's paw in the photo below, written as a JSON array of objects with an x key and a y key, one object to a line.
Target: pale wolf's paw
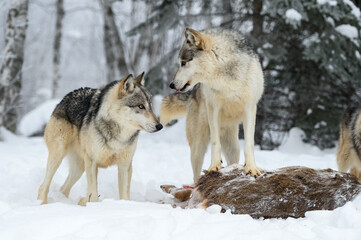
[
  {"x": 216, "y": 167},
  {"x": 253, "y": 171}
]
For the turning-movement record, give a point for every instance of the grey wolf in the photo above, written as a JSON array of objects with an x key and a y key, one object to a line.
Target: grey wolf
[
  {"x": 219, "y": 83},
  {"x": 98, "y": 128},
  {"x": 285, "y": 192},
  {"x": 349, "y": 146}
]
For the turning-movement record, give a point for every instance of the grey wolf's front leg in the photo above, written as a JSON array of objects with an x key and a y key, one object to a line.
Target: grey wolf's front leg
[
  {"x": 213, "y": 120},
  {"x": 91, "y": 170},
  {"x": 124, "y": 178}
]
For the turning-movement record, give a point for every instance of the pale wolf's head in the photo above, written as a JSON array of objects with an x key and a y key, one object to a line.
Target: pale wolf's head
[
  {"x": 195, "y": 60},
  {"x": 132, "y": 105}
]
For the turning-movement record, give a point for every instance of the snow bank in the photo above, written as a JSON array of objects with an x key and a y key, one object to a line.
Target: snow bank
[
  {"x": 35, "y": 120},
  {"x": 160, "y": 158}
]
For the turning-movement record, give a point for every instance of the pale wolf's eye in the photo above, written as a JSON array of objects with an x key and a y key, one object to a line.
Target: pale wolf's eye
[
  {"x": 141, "y": 106},
  {"x": 183, "y": 63}
]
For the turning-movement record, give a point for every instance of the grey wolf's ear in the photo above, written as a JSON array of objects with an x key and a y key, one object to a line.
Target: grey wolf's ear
[
  {"x": 139, "y": 79},
  {"x": 195, "y": 38},
  {"x": 126, "y": 85}
]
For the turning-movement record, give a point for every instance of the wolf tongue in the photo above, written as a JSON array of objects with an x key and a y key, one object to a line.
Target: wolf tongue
[{"x": 178, "y": 90}]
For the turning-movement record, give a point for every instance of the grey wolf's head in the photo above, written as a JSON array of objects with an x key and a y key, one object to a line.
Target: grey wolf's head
[
  {"x": 195, "y": 61},
  {"x": 131, "y": 105}
]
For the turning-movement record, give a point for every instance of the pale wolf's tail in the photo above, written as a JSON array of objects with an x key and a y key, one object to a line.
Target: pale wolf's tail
[{"x": 174, "y": 106}]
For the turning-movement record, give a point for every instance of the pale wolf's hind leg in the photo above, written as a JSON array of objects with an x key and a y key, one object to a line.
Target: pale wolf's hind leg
[
  {"x": 198, "y": 139},
  {"x": 198, "y": 149},
  {"x": 356, "y": 172},
  {"x": 230, "y": 144},
  {"x": 76, "y": 169}
]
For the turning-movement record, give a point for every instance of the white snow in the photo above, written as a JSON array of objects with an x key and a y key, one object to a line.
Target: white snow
[
  {"x": 331, "y": 2},
  {"x": 348, "y": 31},
  {"x": 293, "y": 17},
  {"x": 292, "y": 14},
  {"x": 354, "y": 9},
  {"x": 161, "y": 158}
]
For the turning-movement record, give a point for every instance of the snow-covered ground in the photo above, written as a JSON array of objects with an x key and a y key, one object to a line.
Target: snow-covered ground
[{"x": 161, "y": 158}]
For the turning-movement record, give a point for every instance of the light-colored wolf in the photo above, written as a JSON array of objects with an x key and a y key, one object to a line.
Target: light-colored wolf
[
  {"x": 219, "y": 83},
  {"x": 98, "y": 128},
  {"x": 349, "y": 146}
]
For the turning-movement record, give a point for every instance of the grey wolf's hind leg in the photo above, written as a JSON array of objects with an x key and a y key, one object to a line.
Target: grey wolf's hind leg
[
  {"x": 56, "y": 156},
  {"x": 76, "y": 170}
]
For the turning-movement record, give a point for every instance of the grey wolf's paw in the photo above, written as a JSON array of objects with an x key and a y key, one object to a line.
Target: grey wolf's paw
[
  {"x": 252, "y": 170},
  {"x": 83, "y": 201},
  {"x": 44, "y": 200}
]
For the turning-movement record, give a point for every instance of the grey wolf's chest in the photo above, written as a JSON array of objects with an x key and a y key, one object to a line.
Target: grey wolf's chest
[{"x": 115, "y": 151}]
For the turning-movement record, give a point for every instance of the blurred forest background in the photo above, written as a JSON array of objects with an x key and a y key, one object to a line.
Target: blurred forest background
[{"x": 310, "y": 51}]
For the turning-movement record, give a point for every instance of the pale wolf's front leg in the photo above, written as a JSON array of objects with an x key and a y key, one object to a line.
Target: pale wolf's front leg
[
  {"x": 213, "y": 119},
  {"x": 124, "y": 178},
  {"x": 91, "y": 170},
  {"x": 249, "y": 128}
]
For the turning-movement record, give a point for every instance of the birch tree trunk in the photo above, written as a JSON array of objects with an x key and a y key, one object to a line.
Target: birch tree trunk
[
  {"x": 113, "y": 46},
  {"x": 10, "y": 73},
  {"x": 57, "y": 45}
]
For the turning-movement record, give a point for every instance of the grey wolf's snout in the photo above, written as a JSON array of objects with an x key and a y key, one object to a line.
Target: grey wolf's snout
[
  {"x": 172, "y": 86},
  {"x": 159, "y": 126}
]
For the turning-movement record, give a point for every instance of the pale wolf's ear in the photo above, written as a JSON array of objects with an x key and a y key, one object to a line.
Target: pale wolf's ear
[
  {"x": 139, "y": 79},
  {"x": 126, "y": 85},
  {"x": 195, "y": 38}
]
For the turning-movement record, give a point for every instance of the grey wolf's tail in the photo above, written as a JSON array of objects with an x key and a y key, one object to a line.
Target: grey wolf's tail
[{"x": 174, "y": 106}]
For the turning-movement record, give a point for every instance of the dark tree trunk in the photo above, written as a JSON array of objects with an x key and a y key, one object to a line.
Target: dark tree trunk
[
  {"x": 10, "y": 73},
  {"x": 57, "y": 44},
  {"x": 228, "y": 16},
  {"x": 257, "y": 20},
  {"x": 146, "y": 45},
  {"x": 207, "y": 10},
  {"x": 113, "y": 46}
]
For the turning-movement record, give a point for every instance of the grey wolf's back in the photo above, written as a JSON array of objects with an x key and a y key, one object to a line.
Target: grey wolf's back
[
  {"x": 351, "y": 121},
  {"x": 351, "y": 112},
  {"x": 74, "y": 106}
]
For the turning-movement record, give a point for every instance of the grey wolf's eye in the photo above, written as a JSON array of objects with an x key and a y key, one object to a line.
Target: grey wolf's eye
[
  {"x": 141, "y": 106},
  {"x": 183, "y": 63}
]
